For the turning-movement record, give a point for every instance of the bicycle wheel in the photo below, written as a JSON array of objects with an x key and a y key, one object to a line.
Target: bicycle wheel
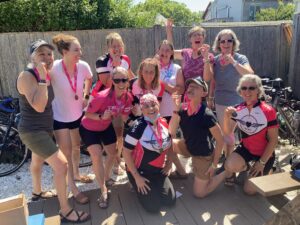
[
  {"x": 85, "y": 159},
  {"x": 13, "y": 154}
]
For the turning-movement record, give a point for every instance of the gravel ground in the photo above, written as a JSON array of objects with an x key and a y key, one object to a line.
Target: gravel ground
[{"x": 20, "y": 181}]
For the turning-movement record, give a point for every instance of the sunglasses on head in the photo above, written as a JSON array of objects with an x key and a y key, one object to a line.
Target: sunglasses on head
[
  {"x": 118, "y": 80},
  {"x": 228, "y": 41},
  {"x": 251, "y": 88}
]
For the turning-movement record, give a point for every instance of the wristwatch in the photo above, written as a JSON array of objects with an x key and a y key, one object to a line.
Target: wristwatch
[
  {"x": 87, "y": 97},
  {"x": 42, "y": 82}
]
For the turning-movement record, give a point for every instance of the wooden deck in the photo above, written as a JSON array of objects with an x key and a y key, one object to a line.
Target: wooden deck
[{"x": 224, "y": 206}]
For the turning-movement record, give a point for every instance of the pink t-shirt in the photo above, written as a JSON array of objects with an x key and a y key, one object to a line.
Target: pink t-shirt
[
  {"x": 106, "y": 100},
  {"x": 192, "y": 67}
]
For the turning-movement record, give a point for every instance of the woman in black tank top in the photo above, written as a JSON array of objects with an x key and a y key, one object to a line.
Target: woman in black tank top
[{"x": 36, "y": 95}]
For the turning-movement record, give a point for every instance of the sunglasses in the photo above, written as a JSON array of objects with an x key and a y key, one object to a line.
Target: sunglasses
[
  {"x": 118, "y": 80},
  {"x": 228, "y": 41},
  {"x": 251, "y": 88}
]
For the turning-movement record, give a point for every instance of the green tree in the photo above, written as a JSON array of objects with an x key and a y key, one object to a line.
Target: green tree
[{"x": 283, "y": 12}]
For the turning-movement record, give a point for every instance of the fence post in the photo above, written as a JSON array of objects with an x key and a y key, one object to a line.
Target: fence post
[{"x": 294, "y": 69}]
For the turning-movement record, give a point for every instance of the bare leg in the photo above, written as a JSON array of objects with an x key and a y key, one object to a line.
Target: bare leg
[
  {"x": 98, "y": 168},
  {"x": 177, "y": 149},
  {"x": 111, "y": 157},
  {"x": 75, "y": 140},
  {"x": 63, "y": 139},
  {"x": 36, "y": 172},
  {"x": 59, "y": 165},
  {"x": 119, "y": 145}
]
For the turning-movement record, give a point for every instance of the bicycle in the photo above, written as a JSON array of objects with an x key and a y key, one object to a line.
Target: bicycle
[
  {"x": 13, "y": 153},
  {"x": 288, "y": 109}
]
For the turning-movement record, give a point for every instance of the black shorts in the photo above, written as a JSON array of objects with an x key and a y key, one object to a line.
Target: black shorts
[
  {"x": 248, "y": 157},
  {"x": 106, "y": 137},
  {"x": 57, "y": 125}
]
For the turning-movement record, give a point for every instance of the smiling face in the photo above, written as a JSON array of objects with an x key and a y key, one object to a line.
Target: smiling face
[
  {"x": 120, "y": 82},
  {"x": 197, "y": 39},
  {"x": 150, "y": 109},
  {"x": 165, "y": 53},
  {"x": 226, "y": 44},
  {"x": 116, "y": 48},
  {"x": 74, "y": 53},
  {"x": 195, "y": 91},
  {"x": 43, "y": 54},
  {"x": 148, "y": 73},
  {"x": 249, "y": 92}
]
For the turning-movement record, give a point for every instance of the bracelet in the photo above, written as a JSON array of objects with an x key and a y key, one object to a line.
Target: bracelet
[
  {"x": 211, "y": 98},
  {"x": 262, "y": 162},
  {"x": 42, "y": 82},
  {"x": 206, "y": 61},
  {"x": 213, "y": 166},
  {"x": 176, "y": 112},
  {"x": 235, "y": 63}
]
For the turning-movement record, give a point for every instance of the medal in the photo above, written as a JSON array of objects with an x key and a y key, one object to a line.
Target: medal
[
  {"x": 158, "y": 136},
  {"x": 74, "y": 87}
]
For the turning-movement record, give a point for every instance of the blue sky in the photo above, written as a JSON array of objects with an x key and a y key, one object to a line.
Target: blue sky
[{"x": 193, "y": 5}]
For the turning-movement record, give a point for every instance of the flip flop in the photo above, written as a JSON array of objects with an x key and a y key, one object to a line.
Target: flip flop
[
  {"x": 103, "y": 200},
  {"x": 85, "y": 179},
  {"x": 80, "y": 219},
  {"x": 81, "y": 198},
  {"x": 230, "y": 181},
  {"x": 43, "y": 195},
  {"x": 110, "y": 182}
]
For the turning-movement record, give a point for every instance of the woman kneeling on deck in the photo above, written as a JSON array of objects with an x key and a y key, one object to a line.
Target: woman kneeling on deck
[
  {"x": 198, "y": 125},
  {"x": 259, "y": 128},
  {"x": 146, "y": 149}
]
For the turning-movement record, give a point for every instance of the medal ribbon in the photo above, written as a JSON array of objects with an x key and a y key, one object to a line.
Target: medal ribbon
[
  {"x": 158, "y": 135},
  {"x": 74, "y": 87}
]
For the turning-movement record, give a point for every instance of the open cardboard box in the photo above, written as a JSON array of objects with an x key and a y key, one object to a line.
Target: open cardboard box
[{"x": 14, "y": 210}]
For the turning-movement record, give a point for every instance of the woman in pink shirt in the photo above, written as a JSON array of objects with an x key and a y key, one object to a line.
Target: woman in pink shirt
[{"x": 96, "y": 127}]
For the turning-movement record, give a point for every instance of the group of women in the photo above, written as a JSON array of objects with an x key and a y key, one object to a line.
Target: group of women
[{"x": 140, "y": 116}]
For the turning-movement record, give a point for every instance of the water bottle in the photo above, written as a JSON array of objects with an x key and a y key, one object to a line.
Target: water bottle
[{"x": 296, "y": 120}]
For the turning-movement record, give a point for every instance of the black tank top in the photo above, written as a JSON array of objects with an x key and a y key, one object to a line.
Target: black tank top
[{"x": 31, "y": 120}]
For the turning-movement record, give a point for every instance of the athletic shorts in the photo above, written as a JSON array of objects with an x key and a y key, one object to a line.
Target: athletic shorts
[
  {"x": 57, "y": 125},
  {"x": 248, "y": 157},
  {"x": 40, "y": 142},
  {"x": 105, "y": 137}
]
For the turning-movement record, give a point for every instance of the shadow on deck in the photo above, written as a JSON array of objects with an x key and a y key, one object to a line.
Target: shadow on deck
[{"x": 224, "y": 206}]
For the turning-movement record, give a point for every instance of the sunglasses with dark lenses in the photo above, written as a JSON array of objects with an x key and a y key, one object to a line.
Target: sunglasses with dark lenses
[
  {"x": 251, "y": 88},
  {"x": 228, "y": 41},
  {"x": 118, "y": 80}
]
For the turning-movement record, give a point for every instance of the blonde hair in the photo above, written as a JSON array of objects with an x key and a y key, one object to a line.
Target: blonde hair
[
  {"x": 166, "y": 42},
  {"x": 236, "y": 42},
  {"x": 63, "y": 42},
  {"x": 197, "y": 29},
  {"x": 155, "y": 82},
  {"x": 254, "y": 79},
  {"x": 114, "y": 37}
]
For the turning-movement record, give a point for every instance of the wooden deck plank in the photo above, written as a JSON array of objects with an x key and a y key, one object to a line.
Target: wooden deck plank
[
  {"x": 275, "y": 184},
  {"x": 130, "y": 205},
  {"x": 98, "y": 215},
  {"x": 85, "y": 207},
  {"x": 114, "y": 211}
]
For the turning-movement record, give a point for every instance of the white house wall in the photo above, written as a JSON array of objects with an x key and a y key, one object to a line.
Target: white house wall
[{"x": 226, "y": 10}]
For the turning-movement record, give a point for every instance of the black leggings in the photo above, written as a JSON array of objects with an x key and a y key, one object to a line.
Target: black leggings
[{"x": 161, "y": 193}]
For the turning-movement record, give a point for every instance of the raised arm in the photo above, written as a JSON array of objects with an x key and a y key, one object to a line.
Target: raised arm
[
  {"x": 169, "y": 31},
  {"x": 35, "y": 93}
]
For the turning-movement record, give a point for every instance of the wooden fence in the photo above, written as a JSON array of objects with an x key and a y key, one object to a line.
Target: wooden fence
[{"x": 263, "y": 43}]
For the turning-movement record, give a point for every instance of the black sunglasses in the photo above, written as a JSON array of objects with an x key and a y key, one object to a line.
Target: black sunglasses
[
  {"x": 251, "y": 88},
  {"x": 228, "y": 41},
  {"x": 118, "y": 80}
]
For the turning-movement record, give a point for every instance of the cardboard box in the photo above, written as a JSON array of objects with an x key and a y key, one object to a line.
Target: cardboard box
[
  {"x": 14, "y": 210},
  {"x": 53, "y": 220}
]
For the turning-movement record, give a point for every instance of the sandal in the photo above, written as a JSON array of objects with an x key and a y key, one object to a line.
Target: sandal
[
  {"x": 230, "y": 181},
  {"x": 110, "y": 182},
  {"x": 81, "y": 198},
  {"x": 85, "y": 179},
  {"x": 177, "y": 176},
  {"x": 80, "y": 219},
  {"x": 103, "y": 200},
  {"x": 42, "y": 195}
]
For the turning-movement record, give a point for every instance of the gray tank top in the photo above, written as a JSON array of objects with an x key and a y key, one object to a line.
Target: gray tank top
[{"x": 32, "y": 120}]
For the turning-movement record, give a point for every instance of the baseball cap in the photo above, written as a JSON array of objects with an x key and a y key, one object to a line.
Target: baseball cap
[
  {"x": 102, "y": 65},
  {"x": 39, "y": 43},
  {"x": 197, "y": 80}
]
